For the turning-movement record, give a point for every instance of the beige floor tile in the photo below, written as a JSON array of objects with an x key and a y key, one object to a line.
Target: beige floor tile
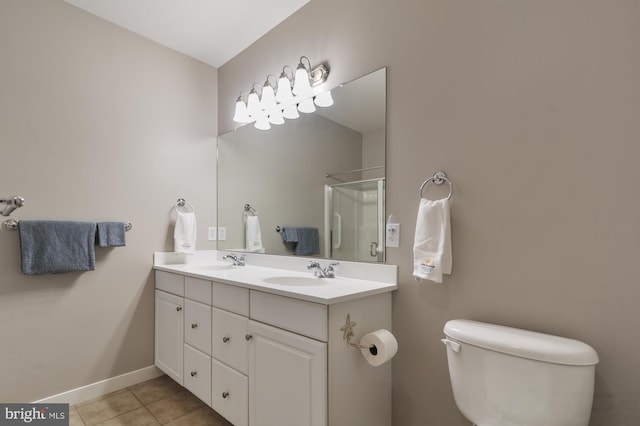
[
  {"x": 204, "y": 416},
  {"x": 175, "y": 406},
  {"x": 74, "y": 417},
  {"x": 155, "y": 389},
  {"x": 107, "y": 407},
  {"x": 138, "y": 417}
]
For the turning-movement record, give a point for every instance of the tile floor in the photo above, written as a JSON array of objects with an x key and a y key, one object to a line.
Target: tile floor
[{"x": 159, "y": 401}]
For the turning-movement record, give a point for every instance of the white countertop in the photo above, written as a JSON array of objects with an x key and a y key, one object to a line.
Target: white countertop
[{"x": 291, "y": 281}]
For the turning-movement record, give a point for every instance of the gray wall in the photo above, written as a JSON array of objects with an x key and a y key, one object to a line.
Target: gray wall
[
  {"x": 95, "y": 124},
  {"x": 532, "y": 109}
]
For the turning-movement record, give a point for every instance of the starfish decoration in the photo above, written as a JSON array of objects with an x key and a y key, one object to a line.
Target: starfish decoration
[{"x": 347, "y": 329}]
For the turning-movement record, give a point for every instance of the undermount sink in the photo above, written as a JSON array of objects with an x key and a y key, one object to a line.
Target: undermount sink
[
  {"x": 299, "y": 281},
  {"x": 220, "y": 266}
]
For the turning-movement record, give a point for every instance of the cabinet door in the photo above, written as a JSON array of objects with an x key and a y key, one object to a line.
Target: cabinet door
[
  {"x": 169, "y": 335},
  {"x": 287, "y": 378},
  {"x": 229, "y": 343}
]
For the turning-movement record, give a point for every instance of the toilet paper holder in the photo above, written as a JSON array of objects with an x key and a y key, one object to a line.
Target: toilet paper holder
[{"x": 347, "y": 330}]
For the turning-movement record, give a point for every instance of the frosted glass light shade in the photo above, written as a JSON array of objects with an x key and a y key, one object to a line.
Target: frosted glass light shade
[
  {"x": 306, "y": 106},
  {"x": 275, "y": 116},
  {"x": 284, "y": 95},
  {"x": 253, "y": 104},
  {"x": 241, "y": 115},
  {"x": 301, "y": 85},
  {"x": 262, "y": 123},
  {"x": 290, "y": 112},
  {"x": 324, "y": 99},
  {"x": 268, "y": 100}
]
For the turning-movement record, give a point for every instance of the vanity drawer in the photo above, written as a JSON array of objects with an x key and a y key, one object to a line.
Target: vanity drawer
[
  {"x": 197, "y": 289},
  {"x": 171, "y": 283},
  {"x": 230, "y": 393},
  {"x": 197, "y": 373},
  {"x": 231, "y": 298},
  {"x": 229, "y": 344},
  {"x": 302, "y": 317},
  {"x": 197, "y": 325}
]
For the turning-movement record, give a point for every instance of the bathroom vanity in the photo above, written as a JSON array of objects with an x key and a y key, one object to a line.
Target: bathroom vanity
[{"x": 263, "y": 345}]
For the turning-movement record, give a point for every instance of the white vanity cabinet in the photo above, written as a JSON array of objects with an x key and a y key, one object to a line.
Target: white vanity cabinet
[
  {"x": 288, "y": 372},
  {"x": 169, "y": 318},
  {"x": 264, "y": 359}
]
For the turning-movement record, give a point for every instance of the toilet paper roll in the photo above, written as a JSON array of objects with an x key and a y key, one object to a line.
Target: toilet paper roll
[{"x": 384, "y": 347}]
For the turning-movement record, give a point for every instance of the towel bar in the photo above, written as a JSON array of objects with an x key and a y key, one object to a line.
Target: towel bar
[{"x": 13, "y": 225}]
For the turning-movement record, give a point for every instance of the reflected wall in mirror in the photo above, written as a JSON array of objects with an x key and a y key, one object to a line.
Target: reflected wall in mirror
[{"x": 315, "y": 185}]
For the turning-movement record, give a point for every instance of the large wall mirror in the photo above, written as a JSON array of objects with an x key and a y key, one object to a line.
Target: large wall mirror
[{"x": 315, "y": 185}]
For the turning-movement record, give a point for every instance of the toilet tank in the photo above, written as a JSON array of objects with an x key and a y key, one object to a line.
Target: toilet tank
[{"x": 503, "y": 376}]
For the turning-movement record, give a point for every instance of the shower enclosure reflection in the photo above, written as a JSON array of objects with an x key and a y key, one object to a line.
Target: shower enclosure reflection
[
  {"x": 308, "y": 172},
  {"x": 354, "y": 216}
]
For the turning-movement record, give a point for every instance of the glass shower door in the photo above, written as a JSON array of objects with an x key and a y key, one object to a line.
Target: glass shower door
[{"x": 354, "y": 216}]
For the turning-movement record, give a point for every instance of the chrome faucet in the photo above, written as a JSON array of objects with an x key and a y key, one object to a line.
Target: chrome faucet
[
  {"x": 320, "y": 272},
  {"x": 237, "y": 261}
]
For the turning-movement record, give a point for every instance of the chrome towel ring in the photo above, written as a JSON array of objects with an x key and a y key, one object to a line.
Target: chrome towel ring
[
  {"x": 184, "y": 203},
  {"x": 438, "y": 178}
]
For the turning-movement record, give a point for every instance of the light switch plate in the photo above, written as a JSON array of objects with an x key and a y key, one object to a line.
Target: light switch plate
[
  {"x": 213, "y": 234},
  {"x": 222, "y": 233},
  {"x": 393, "y": 235}
]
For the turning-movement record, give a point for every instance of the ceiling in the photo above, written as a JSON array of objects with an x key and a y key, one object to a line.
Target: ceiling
[{"x": 212, "y": 31}]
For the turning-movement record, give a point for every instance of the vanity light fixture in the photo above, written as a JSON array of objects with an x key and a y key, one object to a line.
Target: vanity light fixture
[
  {"x": 324, "y": 99},
  {"x": 306, "y": 106},
  {"x": 284, "y": 95},
  {"x": 241, "y": 115},
  {"x": 262, "y": 123},
  {"x": 268, "y": 101},
  {"x": 253, "y": 103},
  {"x": 278, "y": 102}
]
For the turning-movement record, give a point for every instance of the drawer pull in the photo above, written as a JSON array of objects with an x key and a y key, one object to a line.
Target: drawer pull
[
  {"x": 225, "y": 339},
  {"x": 178, "y": 308},
  {"x": 194, "y": 325},
  {"x": 225, "y": 394},
  {"x": 248, "y": 337},
  {"x": 194, "y": 373}
]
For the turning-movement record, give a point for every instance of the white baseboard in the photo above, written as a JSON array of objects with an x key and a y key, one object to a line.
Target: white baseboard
[{"x": 94, "y": 390}]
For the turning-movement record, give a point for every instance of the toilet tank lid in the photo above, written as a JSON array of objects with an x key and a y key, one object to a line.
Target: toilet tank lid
[{"x": 522, "y": 343}]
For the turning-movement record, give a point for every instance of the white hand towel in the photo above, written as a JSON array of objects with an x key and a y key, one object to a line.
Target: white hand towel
[
  {"x": 254, "y": 236},
  {"x": 432, "y": 255},
  {"x": 184, "y": 233}
]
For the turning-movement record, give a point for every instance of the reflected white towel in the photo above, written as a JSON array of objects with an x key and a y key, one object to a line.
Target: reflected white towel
[
  {"x": 432, "y": 255},
  {"x": 254, "y": 236},
  {"x": 184, "y": 233}
]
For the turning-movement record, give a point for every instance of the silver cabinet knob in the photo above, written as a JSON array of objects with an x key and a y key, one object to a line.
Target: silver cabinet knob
[
  {"x": 194, "y": 325},
  {"x": 225, "y": 339},
  {"x": 225, "y": 394},
  {"x": 178, "y": 308},
  {"x": 248, "y": 337},
  {"x": 194, "y": 373}
]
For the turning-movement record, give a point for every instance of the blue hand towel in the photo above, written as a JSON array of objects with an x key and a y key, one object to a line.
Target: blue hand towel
[
  {"x": 308, "y": 242},
  {"x": 53, "y": 247},
  {"x": 111, "y": 234},
  {"x": 289, "y": 234}
]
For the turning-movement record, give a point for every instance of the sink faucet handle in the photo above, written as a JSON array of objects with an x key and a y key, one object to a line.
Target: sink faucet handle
[
  {"x": 330, "y": 269},
  {"x": 313, "y": 264}
]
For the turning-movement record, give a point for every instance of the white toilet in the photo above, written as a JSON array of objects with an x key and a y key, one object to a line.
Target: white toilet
[{"x": 503, "y": 376}]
